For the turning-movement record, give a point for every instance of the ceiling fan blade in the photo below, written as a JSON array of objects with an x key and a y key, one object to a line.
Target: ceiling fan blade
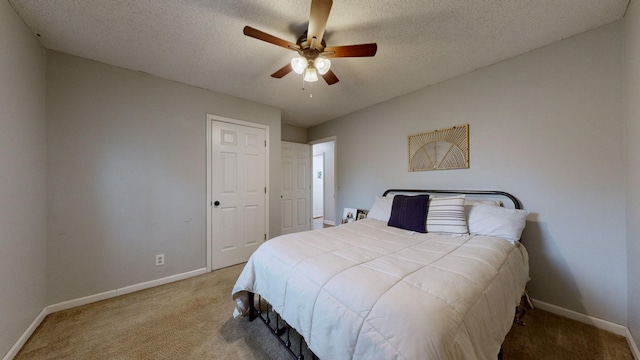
[
  {"x": 282, "y": 71},
  {"x": 359, "y": 50},
  {"x": 318, "y": 21},
  {"x": 330, "y": 77},
  {"x": 261, "y": 35}
]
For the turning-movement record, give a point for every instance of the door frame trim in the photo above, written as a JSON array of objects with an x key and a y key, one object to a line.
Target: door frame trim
[
  {"x": 313, "y": 176},
  {"x": 208, "y": 204}
]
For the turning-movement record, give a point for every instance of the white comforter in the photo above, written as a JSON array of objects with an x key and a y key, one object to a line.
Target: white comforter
[{"x": 368, "y": 291}]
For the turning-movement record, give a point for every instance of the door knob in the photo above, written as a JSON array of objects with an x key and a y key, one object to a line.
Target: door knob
[{"x": 216, "y": 203}]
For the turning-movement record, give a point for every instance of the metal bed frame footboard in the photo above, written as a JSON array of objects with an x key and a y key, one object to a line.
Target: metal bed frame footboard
[{"x": 283, "y": 332}]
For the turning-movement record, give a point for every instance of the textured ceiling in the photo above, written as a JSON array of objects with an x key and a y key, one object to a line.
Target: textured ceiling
[{"x": 200, "y": 42}]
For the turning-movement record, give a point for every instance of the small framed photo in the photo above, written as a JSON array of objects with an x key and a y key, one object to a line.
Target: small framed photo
[
  {"x": 350, "y": 214},
  {"x": 361, "y": 214}
]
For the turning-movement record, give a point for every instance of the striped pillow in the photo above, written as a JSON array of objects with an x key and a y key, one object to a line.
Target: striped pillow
[{"x": 445, "y": 215}]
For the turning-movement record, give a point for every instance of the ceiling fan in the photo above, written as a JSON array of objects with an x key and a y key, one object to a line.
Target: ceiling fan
[{"x": 313, "y": 53}]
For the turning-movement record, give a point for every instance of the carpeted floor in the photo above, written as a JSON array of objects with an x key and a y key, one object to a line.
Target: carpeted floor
[{"x": 191, "y": 319}]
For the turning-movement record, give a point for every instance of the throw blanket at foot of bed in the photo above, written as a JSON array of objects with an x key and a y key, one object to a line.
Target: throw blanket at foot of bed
[{"x": 365, "y": 290}]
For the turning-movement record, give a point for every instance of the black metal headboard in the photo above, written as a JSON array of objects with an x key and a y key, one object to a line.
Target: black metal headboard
[{"x": 516, "y": 202}]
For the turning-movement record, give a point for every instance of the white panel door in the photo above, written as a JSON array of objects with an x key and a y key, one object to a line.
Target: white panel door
[
  {"x": 318, "y": 185},
  {"x": 296, "y": 187},
  {"x": 238, "y": 192}
]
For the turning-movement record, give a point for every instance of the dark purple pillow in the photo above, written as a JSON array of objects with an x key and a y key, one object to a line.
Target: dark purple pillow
[{"x": 409, "y": 212}]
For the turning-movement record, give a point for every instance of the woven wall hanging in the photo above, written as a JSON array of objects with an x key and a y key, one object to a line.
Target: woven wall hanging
[{"x": 440, "y": 149}]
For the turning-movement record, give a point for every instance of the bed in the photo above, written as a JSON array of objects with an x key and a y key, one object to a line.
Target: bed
[{"x": 379, "y": 288}]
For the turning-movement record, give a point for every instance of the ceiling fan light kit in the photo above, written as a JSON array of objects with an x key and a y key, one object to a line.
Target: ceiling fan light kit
[
  {"x": 311, "y": 48},
  {"x": 298, "y": 64},
  {"x": 322, "y": 65},
  {"x": 310, "y": 69},
  {"x": 310, "y": 74}
]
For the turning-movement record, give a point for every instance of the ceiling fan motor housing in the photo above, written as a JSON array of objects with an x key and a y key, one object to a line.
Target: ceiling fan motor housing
[{"x": 308, "y": 51}]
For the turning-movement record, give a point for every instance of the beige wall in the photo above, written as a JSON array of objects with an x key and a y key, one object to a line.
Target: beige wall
[
  {"x": 294, "y": 134},
  {"x": 546, "y": 126},
  {"x": 127, "y": 174},
  {"x": 632, "y": 130},
  {"x": 22, "y": 178}
]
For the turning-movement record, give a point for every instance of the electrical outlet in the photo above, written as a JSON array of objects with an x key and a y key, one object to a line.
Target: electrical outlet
[{"x": 159, "y": 259}]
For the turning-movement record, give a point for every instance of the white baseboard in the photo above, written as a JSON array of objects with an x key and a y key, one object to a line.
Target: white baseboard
[
  {"x": 122, "y": 291},
  {"x": 328, "y": 222},
  {"x": 590, "y": 320},
  {"x": 633, "y": 345},
  {"x": 50, "y": 309},
  {"x": 25, "y": 335}
]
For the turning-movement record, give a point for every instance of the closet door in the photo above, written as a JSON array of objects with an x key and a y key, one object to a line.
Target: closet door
[{"x": 238, "y": 192}]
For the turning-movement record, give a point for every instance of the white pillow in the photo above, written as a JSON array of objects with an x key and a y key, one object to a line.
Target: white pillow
[
  {"x": 445, "y": 215},
  {"x": 497, "y": 221},
  {"x": 468, "y": 203},
  {"x": 381, "y": 208}
]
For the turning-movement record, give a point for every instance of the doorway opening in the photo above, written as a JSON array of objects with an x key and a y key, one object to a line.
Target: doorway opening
[{"x": 323, "y": 176}]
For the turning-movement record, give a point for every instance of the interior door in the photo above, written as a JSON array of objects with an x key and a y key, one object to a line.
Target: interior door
[
  {"x": 238, "y": 192},
  {"x": 318, "y": 185},
  {"x": 296, "y": 187}
]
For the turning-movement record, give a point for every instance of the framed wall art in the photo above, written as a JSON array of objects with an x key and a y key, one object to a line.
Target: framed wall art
[{"x": 439, "y": 149}]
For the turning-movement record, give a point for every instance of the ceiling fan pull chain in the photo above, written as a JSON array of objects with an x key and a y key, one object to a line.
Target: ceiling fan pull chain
[{"x": 310, "y": 88}]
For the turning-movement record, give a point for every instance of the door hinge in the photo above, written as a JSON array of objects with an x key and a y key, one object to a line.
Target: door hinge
[
  {"x": 265, "y": 189},
  {"x": 265, "y": 237},
  {"x": 265, "y": 143}
]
